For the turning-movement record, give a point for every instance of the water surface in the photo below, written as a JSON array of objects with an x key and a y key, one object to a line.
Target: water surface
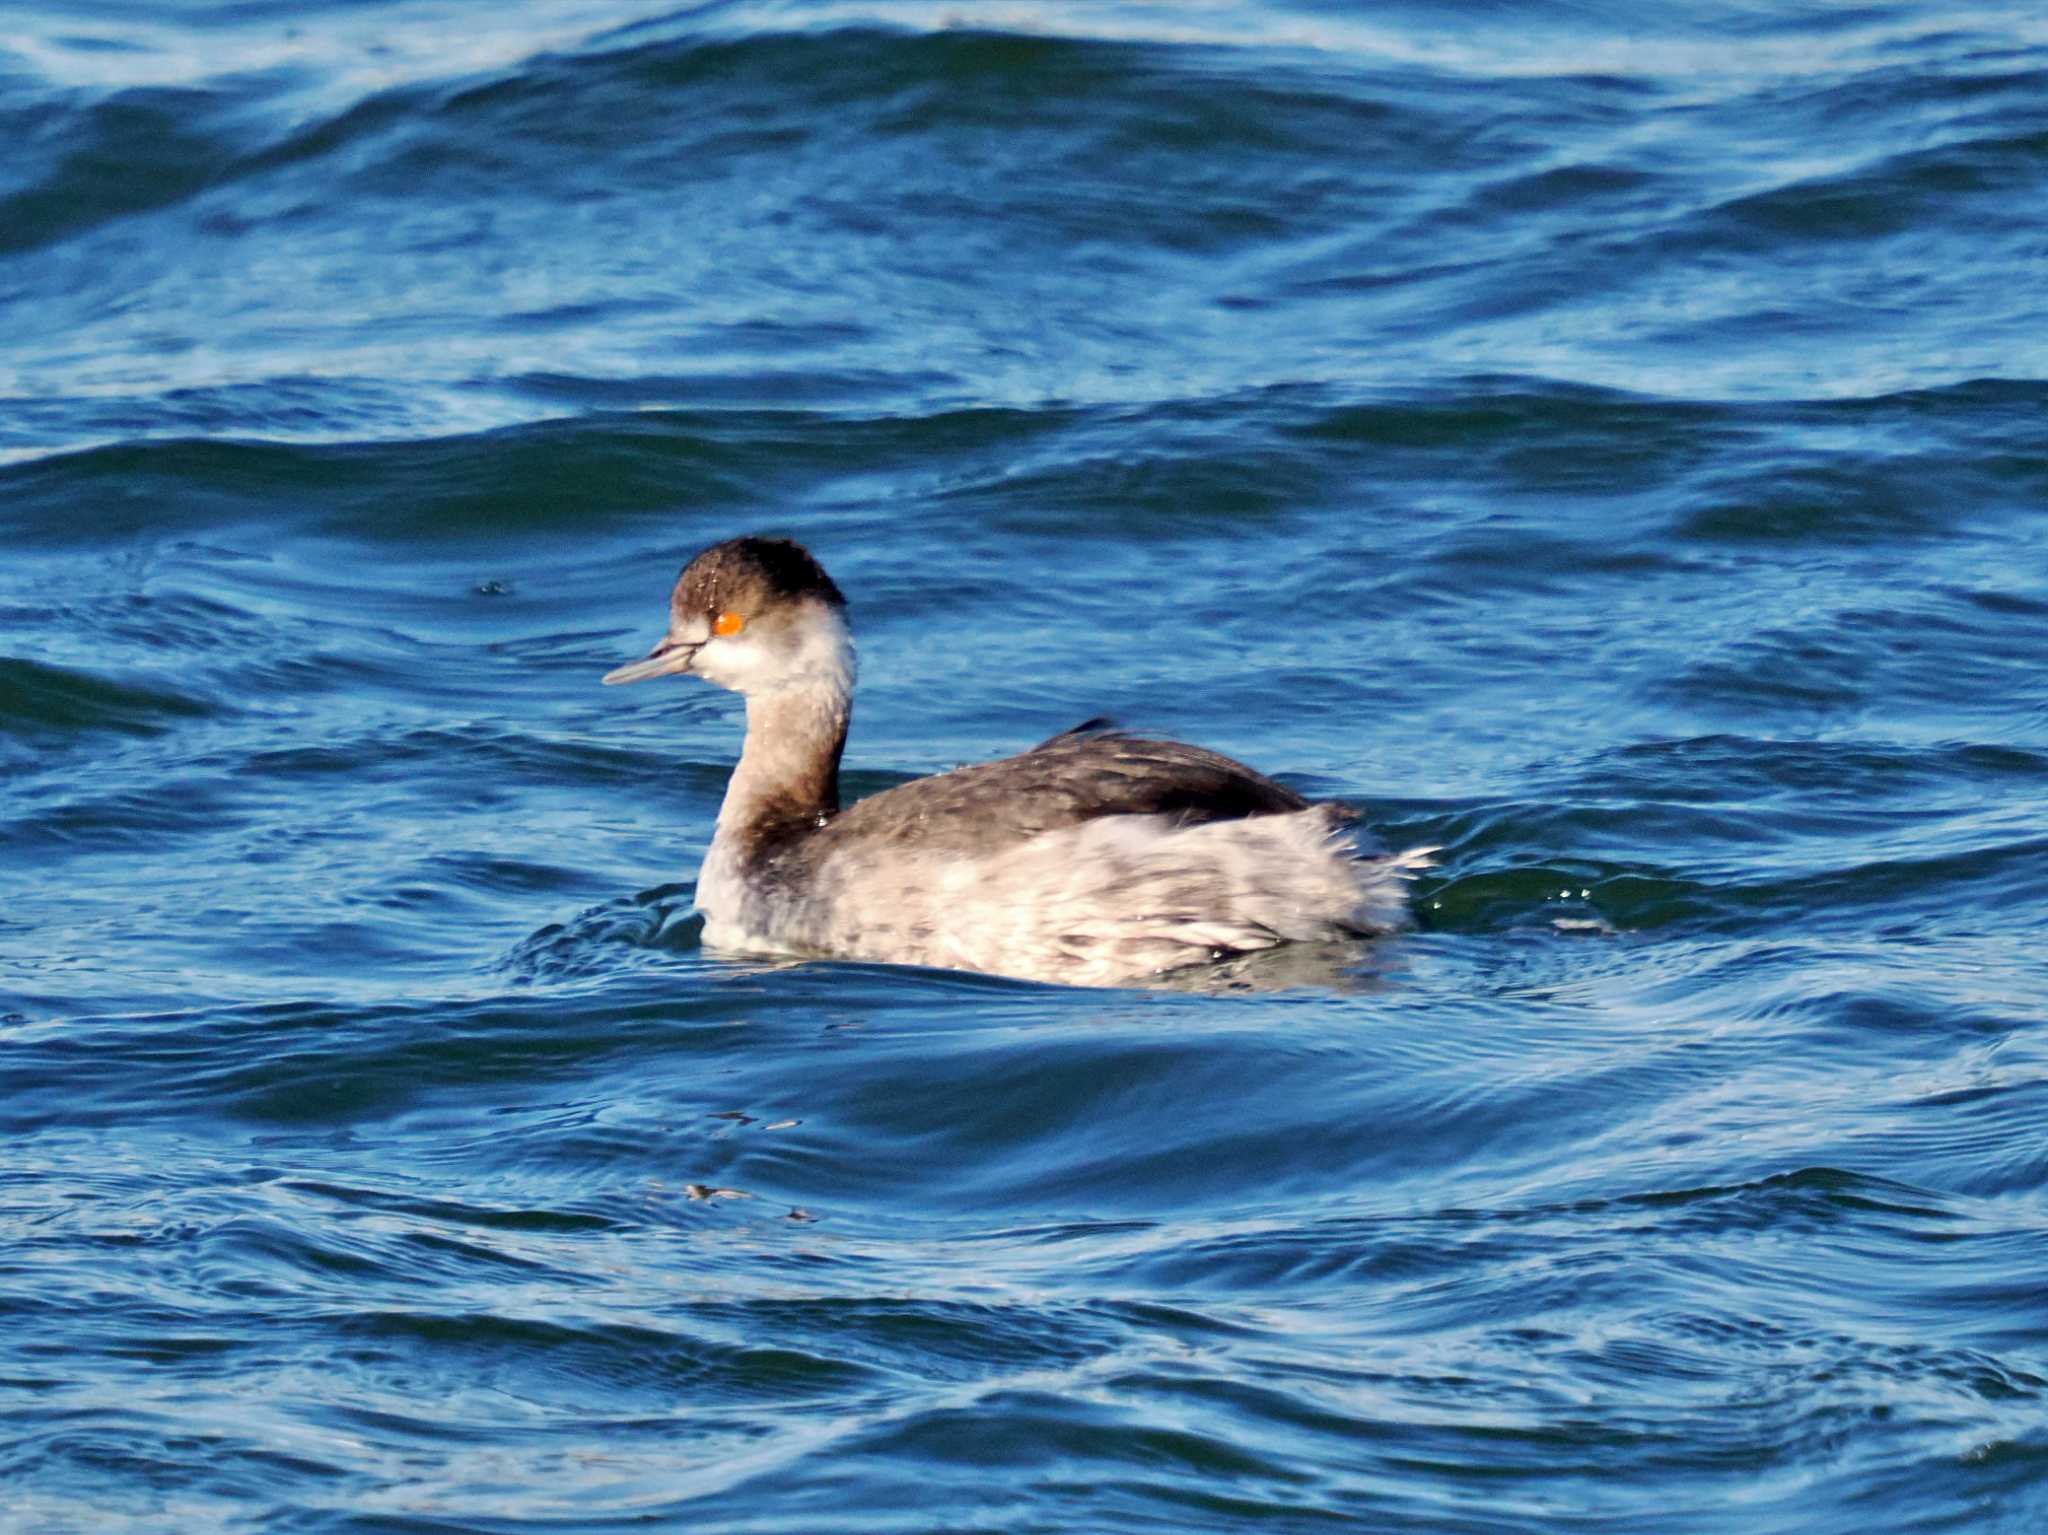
[{"x": 1608, "y": 448}]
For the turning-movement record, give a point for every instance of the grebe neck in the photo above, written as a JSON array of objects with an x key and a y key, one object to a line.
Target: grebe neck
[{"x": 788, "y": 771}]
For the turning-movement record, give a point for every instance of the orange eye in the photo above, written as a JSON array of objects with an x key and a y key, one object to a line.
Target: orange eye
[{"x": 728, "y": 622}]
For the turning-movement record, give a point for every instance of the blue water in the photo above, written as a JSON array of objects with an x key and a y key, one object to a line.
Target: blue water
[{"x": 1604, "y": 441}]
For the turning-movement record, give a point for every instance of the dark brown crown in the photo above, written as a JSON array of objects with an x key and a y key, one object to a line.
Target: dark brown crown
[{"x": 748, "y": 575}]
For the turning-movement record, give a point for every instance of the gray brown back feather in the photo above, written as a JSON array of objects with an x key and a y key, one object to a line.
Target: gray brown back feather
[{"x": 1072, "y": 778}]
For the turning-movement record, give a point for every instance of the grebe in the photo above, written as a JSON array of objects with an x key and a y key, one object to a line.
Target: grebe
[{"x": 1094, "y": 859}]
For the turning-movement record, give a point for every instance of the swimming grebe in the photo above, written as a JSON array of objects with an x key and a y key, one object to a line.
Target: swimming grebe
[{"x": 1094, "y": 859}]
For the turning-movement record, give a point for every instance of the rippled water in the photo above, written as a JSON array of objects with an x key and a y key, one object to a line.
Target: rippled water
[{"x": 1608, "y": 446}]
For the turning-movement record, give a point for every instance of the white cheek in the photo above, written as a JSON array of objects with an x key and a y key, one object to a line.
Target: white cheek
[
  {"x": 824, "y": 655},
  {"x": 737, "y": 663},
  {"x": 821, "y": 657}
]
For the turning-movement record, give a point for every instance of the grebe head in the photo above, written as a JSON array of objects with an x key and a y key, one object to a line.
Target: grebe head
[{"x": 756, "y": 615}]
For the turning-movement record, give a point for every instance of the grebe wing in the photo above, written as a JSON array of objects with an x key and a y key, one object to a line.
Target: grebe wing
[{"x": 1078, "y": 775}]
